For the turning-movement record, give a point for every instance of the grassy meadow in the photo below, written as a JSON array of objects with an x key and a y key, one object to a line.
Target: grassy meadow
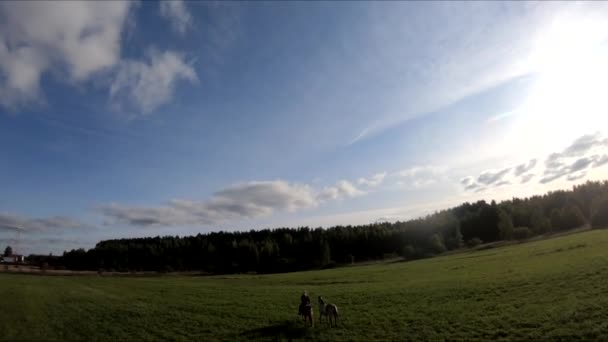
[{"x": 548, "y": 289}]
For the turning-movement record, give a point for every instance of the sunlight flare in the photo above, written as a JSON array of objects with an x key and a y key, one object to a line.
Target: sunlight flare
[{"x": 567, "y": 98}]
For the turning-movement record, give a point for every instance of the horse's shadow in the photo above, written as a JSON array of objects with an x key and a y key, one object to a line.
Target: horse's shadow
[{"x": 287, "y": 330}]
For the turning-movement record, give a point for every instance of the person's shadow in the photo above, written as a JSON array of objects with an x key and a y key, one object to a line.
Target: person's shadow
[{"x": 287, "y": 330}]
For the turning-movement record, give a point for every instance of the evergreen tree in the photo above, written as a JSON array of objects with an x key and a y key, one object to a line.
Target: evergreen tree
[
  {"x": 505, "y": 225},
  {"x": 325, "y": 254},
  {"x": 283, "y": 249},
  {"x": 600, "y": 213}
]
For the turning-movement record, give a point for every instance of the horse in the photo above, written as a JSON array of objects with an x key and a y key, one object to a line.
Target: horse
[
  {"x": 328, "y": 310},
  {"x": 307, "y": 313}
]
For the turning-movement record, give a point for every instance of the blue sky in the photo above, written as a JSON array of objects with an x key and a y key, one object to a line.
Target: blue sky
[{"x": 146, "y": 118}]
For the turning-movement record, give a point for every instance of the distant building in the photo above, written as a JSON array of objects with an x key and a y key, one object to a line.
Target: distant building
[{"x": 13, "y": 259}]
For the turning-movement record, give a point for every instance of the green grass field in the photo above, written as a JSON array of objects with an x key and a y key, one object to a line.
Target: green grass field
[{"x": 556, "y": 289}]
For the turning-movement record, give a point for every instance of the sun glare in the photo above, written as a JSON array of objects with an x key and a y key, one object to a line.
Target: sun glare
[{"x": 567, "y": 99}]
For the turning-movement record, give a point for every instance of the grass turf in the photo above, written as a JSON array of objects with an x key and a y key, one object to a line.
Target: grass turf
[{"x": 549, "y": 289}]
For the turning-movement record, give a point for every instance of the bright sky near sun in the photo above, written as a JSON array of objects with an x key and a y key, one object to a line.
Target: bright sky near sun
[{"x": 122, "y": 119}]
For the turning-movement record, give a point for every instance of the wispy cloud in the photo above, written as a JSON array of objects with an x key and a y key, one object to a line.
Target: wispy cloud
[
  {"x": 372, "y": 181},
  {"x": 501, "y": 116},
  {"x": 523, "y": 168},
  {"x": 485, "y": 45},
  {"x": 147, "y": 85},
  {"x": 526, "y": 178},
  {"x": 177, "y": 13},
  {"x": 576, "y": 176},
  {"x": 487, "y": 179},
  {"x": 577, "y": 157},
  {"x": 342, "y": 189},
  {"x": 360, "y": 136},
  {"x": 586, "y": 152},
  {"x": 469, "y": 183},
  {"x": 492, "y": 177},
  {"x": 419, "y": 176},
  {"x": 584, "y": 144},
  {"x": 601, "y": 160},
  {"x": 49, "y": 224}
]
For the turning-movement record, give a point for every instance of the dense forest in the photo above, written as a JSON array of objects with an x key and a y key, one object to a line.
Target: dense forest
[{"x": 284, "y": 249}]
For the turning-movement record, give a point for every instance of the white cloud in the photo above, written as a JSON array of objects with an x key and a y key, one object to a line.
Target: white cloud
[
  {"x": 242, "y": 201},
  {"x": 77, "y": 38},
  {"x": 342, "y": 189},
  {"x": 249, "y": 200},
  {"x": 147, "y": 85},
  {"x": 269, "y": 194},
  {"x": 177, "y": 13},
  {"x": 373, "y": 181}
]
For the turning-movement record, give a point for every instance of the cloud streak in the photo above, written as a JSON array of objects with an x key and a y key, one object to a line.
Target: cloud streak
[
  {"x": 50, "y": 224},
  {"x": 177, "y": 13}
]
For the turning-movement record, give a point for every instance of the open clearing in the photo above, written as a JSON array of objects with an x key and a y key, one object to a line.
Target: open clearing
[{"x": 553, "y": 289}]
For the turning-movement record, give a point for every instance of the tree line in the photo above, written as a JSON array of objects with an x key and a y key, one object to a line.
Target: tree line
[{"x": 285, "y": 249}]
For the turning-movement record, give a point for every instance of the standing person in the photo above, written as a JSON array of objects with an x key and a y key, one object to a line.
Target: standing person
[{"x": 304, "y": 301}]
